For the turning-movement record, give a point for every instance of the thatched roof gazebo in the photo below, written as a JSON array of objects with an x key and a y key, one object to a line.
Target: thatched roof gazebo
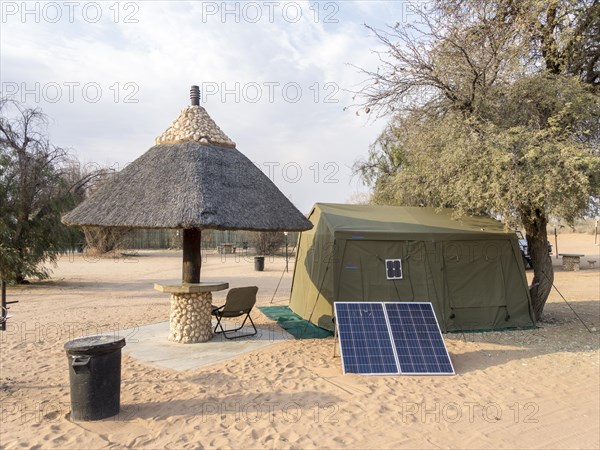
[{"x": 194, "y": 178}]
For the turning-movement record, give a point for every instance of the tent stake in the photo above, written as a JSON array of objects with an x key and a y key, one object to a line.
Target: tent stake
[{"x": 3, "y": 310}]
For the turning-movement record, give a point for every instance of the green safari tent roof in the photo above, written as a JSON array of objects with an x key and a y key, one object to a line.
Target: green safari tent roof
[{"x": 380, "y": 222}]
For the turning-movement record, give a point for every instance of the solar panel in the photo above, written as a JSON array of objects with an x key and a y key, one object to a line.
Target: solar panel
[
  {"x": 379, "y": 338},
  {"x": 393, "y": 269},
  {"x": 417, "y": 339},
  {"x": 366, "y": 345}
]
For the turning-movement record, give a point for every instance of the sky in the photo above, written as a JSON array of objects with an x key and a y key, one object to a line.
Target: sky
[{"x": 275, "y": 76}]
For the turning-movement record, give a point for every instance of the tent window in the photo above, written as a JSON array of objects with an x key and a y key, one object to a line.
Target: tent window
[{"x": 393, "y": 269}]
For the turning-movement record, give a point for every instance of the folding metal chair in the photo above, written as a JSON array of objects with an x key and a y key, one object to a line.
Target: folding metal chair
[{"x": 239, "y": 302}]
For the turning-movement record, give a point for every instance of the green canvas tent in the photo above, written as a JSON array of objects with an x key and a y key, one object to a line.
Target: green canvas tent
[{"x": 471, "y": 269}]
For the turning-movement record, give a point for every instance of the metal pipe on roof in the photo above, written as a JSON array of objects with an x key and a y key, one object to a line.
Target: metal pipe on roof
[{"x": 195, "y": 95}]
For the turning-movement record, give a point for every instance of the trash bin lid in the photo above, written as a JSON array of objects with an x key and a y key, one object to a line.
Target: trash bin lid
[{"x": 95, "y": 344}]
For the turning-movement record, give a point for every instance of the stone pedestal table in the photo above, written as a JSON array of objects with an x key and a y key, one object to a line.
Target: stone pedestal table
[
  {"x": 191, "y": 306},
  {"x": 570, "y": 261}
]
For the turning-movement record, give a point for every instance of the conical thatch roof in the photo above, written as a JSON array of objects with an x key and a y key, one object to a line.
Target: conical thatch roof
[{"x": 194, "y": 178}]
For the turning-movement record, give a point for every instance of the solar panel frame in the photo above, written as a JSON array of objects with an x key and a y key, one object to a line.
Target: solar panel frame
[{"x": 404, "y": 355}]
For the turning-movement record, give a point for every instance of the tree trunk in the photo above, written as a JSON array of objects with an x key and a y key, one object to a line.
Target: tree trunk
[
  {"x": 23, "y": 212},
  {"x": 550, "y": 48},
  {"x": 18, "y": 270},
  {"x": 543, "y": 273}
]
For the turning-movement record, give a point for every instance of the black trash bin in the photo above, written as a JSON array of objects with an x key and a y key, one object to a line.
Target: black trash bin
[
  {"x": 95, "y": 376},
  {"x": 259, "y": 263}
]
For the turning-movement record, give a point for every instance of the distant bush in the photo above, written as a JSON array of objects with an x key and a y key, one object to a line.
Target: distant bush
[{"x": 267, "y": 242}]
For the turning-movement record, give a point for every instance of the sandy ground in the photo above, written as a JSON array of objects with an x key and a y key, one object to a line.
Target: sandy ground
[{"x": 518, "y": 389}]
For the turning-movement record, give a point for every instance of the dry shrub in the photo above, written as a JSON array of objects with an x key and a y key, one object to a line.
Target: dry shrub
[{"x": 103, "y": 240}]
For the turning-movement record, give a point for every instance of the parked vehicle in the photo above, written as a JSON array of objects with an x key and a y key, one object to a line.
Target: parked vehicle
[{"x": 524, "y": 247}]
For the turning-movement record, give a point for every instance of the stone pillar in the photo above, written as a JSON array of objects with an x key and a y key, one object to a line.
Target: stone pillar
[
  {"x": 191, "y": 307},
  {"x": 570, "y": 263},
  {"x": 190, "y": 317}
]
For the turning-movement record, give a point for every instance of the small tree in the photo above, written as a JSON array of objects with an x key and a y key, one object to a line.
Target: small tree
[
  {"x": 84, "y": 181},
  {"x": 102, "y": 240},
  {"x": 267, "y": 242},
  {"x": 33, "y": 194}
]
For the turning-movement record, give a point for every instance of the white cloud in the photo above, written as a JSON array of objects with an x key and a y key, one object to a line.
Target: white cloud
[{"x": 176, "y": 44}]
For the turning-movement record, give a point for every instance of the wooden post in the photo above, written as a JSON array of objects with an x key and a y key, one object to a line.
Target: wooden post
[
  {"x": 555, "y": 243},
  {"x": 192, "y": 257}
]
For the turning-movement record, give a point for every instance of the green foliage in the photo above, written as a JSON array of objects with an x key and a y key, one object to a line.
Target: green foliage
[
  {"x": 33, "y": 195},
  {"x": 532, "y": 146},
  {"x": 495, "y": 109}
]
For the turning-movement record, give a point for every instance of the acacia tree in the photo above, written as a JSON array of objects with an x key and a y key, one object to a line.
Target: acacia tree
[
  {"x": 495, "y": 109},
  {"x": 33, "y": 194}
]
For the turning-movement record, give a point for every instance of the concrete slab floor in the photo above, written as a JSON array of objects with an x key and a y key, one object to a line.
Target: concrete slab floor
[{"x": 149, "y": 344}]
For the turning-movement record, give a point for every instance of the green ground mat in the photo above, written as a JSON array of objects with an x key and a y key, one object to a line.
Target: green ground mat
[{"x": 293, "y": 323}]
